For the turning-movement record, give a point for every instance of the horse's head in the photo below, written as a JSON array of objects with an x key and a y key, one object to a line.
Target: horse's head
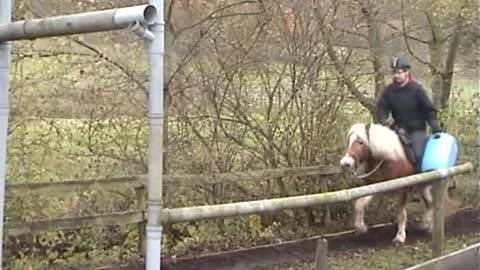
[
  {"x": 368, "y": 142},
  {"x": 358, "y": 150}
]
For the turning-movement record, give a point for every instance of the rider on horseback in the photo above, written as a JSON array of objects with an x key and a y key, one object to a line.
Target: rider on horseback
[{"x": 410, "y": 106}]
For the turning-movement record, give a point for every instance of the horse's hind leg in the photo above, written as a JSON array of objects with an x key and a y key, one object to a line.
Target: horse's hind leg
[
  {"x": 427, "y": 220},
  {"x": 360, "y": 205},
  {"x": 401, "y": 219}
]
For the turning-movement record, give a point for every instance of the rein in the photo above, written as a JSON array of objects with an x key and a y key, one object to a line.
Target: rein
[{"x": 372, "y": 171}]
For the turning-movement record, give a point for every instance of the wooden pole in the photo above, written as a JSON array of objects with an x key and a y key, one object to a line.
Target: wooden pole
[
  {"x": 438, "y": 235},
  {"x": 321, "y": 254}
]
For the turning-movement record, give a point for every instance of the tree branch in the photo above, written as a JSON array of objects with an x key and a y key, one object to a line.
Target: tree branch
[
  {"x": 213, "y": 15},
  {"x": 407, "y": 43},
  {"x": 346, "y": 79},
  {"x": 404, "y": 32}
]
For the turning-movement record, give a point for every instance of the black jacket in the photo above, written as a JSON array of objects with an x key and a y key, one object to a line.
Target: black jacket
[{"x": 410, "y": 106}]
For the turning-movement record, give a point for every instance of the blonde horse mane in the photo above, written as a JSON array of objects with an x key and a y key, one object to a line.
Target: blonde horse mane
[{"x": 382, "y": 141}]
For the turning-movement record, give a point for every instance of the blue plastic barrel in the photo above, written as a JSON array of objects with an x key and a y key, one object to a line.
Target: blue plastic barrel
[{"x": 441, "y": 152}]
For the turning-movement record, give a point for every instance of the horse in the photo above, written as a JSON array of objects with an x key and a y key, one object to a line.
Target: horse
[{"x": 380, "y": 152}]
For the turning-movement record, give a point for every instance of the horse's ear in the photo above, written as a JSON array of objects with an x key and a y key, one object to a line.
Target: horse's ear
[{"x": 348, "y": 138}]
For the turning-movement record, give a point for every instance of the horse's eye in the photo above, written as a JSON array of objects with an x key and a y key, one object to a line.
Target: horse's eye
[{"x": 360, "y": 142}]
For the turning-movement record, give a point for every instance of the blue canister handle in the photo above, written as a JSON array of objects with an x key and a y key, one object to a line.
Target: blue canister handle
[{"x": 437, "y": 135}]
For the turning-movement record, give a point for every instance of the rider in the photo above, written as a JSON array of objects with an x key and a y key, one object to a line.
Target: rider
[{"x": 410, "y": 106}]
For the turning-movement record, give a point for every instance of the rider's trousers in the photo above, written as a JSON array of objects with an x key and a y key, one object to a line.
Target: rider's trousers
[{"x": 418, "y": 139}]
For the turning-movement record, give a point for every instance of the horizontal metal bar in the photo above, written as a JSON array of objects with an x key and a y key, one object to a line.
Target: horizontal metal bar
[
  {"x": 89, "y": 22},
  {"x": 261, "y": 206}
]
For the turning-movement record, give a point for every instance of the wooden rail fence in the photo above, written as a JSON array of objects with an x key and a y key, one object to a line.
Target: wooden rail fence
[
  {"x": 138, "y": 184},
  {"x": 197, "y": 213}
]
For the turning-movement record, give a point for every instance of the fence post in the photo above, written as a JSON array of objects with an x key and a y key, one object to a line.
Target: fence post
[
  {"x": 321, "y": 254},
  {"x": 438, "y": 234},
  {"x": 140, "y": 198}
]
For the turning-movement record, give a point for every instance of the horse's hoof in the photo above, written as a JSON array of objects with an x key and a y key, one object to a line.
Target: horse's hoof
[
  {"x": 426, "y": 225},
  {"x": 361, "y": 229},
  {"x": 398, "y": 240}
]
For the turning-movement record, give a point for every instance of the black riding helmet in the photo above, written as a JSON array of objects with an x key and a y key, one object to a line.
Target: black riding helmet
[{"x": 399, "y": 63}]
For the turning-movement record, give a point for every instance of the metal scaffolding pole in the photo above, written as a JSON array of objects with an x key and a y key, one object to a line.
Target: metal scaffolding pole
[
  {"x": 89, "y": 22},
  {"x": 155, "y": 154},
  {"x": 142, "y": 21},
  {"x": 5, "y": 18}
]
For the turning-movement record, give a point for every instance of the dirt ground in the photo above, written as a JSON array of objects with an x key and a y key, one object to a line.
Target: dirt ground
[
  {"x": 463, "y": 222},
  {"x": 387, "y": 258}
]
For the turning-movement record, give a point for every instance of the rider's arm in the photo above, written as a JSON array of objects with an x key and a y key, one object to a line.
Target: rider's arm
[{"x": 430, "y": 109}]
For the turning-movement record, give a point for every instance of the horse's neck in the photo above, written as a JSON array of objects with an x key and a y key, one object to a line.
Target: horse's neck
[
  {"x": 389, "y": 169},
  {"x": 376, "y": 170},
  {"x": 373, "y": 162}
]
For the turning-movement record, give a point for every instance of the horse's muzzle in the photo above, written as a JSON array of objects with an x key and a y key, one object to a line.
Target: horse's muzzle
[
  {"x": 347, "y": 168},
  {"x": 347, "y": 165}
]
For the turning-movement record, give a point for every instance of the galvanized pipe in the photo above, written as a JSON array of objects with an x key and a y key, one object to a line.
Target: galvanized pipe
[
  {"x": 5, "y": 18},
  {"x": 155, "y": 149},
  {"x": 261, "y": 206},
  {"x": 141, "y": 31},
  {"x": 89, "y": 22}
]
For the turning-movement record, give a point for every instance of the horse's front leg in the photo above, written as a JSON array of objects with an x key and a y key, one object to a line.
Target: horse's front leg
[
  {"x": 360, "y": 205},
  {"x": 401, "y": 219}
]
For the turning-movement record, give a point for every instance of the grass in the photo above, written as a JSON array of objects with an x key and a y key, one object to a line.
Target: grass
[{"x": 391, "y": 258}]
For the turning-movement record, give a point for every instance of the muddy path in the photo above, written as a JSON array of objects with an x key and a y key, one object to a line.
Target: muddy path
[{"x": 464, "y": 221}]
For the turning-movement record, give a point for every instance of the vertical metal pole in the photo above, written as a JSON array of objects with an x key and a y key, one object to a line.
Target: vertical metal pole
[
  {"x": 155, "y": 154},
  {"x": 5, "y": 17}
]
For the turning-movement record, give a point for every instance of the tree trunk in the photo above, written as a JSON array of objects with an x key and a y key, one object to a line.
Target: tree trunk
[
  {"x": 437, "y": 50},
  {"x": 450, "y": 63},
  {"x": 376, "y": 52},
  {"x": 442, "y": 67}
]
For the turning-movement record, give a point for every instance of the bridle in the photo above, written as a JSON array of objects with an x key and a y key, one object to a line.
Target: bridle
[{"x": 357, "y": 159}]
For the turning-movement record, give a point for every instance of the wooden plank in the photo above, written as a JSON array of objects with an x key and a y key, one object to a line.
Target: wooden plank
[
  {"x": 60, "y": 187},
  {"x": 252, "y": 176},
  {"x": 464, "y": 259},
  {"x": 34, "y": 227},
  {"x": 321, "y": 254},
  {"x": 438, "y": 235}
]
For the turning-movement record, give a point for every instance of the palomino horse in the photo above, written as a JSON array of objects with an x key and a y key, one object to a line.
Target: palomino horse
[{"x": 379, "y": 152}]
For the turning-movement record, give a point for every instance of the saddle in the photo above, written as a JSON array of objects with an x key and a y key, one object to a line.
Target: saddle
[{"x": 407, "y": 145}]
